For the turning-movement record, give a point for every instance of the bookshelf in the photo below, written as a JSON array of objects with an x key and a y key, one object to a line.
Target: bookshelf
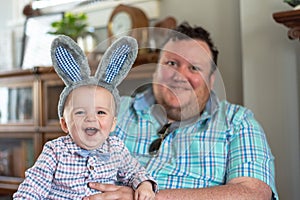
[{"x": 28, "y": 119}]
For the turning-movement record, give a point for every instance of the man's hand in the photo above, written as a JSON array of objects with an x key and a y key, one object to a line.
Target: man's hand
[{"x": 110, "y": 192}]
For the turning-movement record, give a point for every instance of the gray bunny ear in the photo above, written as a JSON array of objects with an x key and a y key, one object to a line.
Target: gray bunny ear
[
  {"x": 117, "y": 61},
  {"x": 69, "y": 61}
]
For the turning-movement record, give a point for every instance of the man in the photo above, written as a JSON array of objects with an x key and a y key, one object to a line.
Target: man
[{"x": 194, "y": 145}]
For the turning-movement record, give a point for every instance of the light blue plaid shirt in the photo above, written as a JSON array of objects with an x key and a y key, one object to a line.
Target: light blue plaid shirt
[{"x": 224, "y": 143}]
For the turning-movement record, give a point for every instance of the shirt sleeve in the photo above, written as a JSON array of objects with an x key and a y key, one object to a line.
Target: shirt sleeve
[
  {"x": 131, "y": 172},
  {"x": 38, "y": 178},
  {"x": 249, "y": 153}
]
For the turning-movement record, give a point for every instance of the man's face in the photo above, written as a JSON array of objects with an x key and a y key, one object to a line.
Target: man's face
[
  {"x": 183, "y": 79},
  {"x": 89, "y": 116}
]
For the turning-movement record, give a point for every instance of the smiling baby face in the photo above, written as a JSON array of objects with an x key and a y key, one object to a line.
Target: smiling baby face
[{"x": 89, "y": 116}]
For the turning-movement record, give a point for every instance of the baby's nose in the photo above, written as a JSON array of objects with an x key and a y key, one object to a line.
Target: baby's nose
[{"x": 90, "y": 117}]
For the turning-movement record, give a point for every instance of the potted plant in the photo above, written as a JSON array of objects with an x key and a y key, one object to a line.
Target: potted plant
[
  {"x": 75, "y": 26},
  {"x": 292, "y": 3},
  {"x": 72, "y": 25}
]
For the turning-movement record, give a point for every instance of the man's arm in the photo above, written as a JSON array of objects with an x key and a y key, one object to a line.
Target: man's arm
[
  {"x": 241, "y": 188},
  {"x": 111, "y": 192}
]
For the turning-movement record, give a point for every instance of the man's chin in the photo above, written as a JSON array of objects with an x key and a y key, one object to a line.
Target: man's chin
[
  {"x": 176, "y": 103},
  {"x": 173, "y": 104}
]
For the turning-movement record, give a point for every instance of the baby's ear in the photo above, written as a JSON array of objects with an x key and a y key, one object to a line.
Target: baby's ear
[
  {"x": 63, "y": 125},
  {"x": 69, "y": 61},
  {"x": 117, "y": 61}
]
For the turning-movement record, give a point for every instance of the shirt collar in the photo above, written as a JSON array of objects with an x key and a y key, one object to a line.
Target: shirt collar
[
  {"x": 146, "y": 101},
  {"x": 211, "y": 106}
]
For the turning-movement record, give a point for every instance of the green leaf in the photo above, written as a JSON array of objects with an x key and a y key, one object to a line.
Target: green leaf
[{"x": 72, "y": 24}]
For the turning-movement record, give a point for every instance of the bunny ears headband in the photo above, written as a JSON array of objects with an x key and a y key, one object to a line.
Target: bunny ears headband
[{"x": 71, "y": 64}]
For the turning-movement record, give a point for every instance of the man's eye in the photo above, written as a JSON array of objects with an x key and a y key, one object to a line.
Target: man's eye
[
  {"x": 195, "y": 68},
  {"x": 171, "y": 63}
]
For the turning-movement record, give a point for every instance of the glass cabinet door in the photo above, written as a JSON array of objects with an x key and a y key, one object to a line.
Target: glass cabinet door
[
  {"x": 16, "y": 155},
  {"x": 52, "y": 90},
  {"x": 16, "y": 104}
]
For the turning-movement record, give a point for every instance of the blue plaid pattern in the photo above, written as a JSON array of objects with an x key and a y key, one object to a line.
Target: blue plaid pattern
[
  {"x": 223, "y": 144},
  {"x": 61, "y": 173},
  {"x": 66, "y": 60},
  {"x": 117, "y": 60}
]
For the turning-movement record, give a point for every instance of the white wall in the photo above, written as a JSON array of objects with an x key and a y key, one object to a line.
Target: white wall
[
  {"x": 5, "y": 14},
  {"x": 259, "y": 67},
  {"x": 271, "y": 88},
  {"x": 11, "y": 14}
]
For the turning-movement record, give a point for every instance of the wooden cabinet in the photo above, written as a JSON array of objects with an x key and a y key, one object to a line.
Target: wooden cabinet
[
  {"x": 28, "y": 115},
  {"x": 28, "y": 118}
]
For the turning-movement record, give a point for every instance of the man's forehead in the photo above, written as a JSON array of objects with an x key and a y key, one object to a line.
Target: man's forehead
[{"x": 191, "y": 50}]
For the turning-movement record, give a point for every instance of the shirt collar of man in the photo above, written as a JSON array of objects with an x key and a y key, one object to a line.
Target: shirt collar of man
[{"x": 146, "y": 101}]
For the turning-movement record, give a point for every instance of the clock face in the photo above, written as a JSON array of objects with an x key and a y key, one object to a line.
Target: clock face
[{"x": 121, "y": 23}]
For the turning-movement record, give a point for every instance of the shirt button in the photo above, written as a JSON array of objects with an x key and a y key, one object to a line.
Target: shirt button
[{"x": 92, "y": 167}]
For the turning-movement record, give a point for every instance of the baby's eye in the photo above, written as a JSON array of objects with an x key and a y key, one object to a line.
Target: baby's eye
[
  {"x": 80, "y": 112},
  {"x": 101, "y": 112}
]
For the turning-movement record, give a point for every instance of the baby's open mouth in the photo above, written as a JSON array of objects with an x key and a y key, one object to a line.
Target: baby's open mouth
[{"x": 91, "y": 131}]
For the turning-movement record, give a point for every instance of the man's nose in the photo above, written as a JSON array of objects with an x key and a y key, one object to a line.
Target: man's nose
[{"x": 180, "y": 73}]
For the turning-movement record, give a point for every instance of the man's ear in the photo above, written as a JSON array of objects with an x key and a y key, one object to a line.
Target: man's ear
[
  {"x": 63, "y": 125},
  {"x": 212, "y": 80},
  {"x": 114, "y": 125}
]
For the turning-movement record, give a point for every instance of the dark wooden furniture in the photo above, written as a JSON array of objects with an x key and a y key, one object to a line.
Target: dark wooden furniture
[
  {"x": 28, "y": 119},
  {"x": 290, "y": 19}
]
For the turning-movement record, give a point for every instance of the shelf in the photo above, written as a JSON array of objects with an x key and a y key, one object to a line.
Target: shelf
[
  {"x": 103, "y": 9},
  {"x": 290, "y": 19},
  {"x": 9, "y": 185},
  {"x": 22, "y": 72}
]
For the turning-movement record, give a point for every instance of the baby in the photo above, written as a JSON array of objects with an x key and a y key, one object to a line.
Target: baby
[{"x": 87, "y": 109}]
